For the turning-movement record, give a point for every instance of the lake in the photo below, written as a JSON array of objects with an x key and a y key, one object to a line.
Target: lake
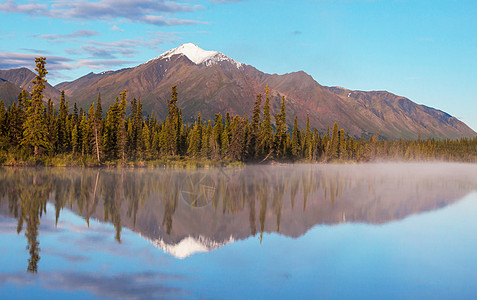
[{"x": 365, "y": 231}]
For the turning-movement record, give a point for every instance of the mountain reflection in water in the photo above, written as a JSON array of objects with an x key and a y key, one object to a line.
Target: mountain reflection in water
[{"x": 188, "y": 211}]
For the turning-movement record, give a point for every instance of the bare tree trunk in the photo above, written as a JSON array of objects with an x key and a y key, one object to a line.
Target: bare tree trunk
[{"x": 97, "y": 143}]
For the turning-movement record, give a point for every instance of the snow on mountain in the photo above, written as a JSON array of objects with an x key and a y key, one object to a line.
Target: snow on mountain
[
  {"x": 198, "y": 55},
  {"x": 188, "y": 245}
]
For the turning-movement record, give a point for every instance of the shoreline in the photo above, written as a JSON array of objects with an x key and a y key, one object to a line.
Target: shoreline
[{"x": 188, "y": 163}]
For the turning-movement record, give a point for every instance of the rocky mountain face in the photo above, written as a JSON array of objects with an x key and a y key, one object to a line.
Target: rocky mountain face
[
  {"x": 395, "y": 116},
  {"x": 208, "y": 82},
  {"x": 8, "y": 92},
  {"x": 22, "y": 78}
]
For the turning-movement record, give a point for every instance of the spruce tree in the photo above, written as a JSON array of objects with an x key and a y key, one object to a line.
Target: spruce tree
[
  {"x": 15, "y": 120},
  {"x": 266, "y": 131},
  {"x": 85, "y": 135},
  {"x": 145, "y": 141},
  {"x": 181, "y": 137},
  {"x": 74, "y": 138},
  {"x": 334, "y": 147},
  {"x": 308, "y": 144},
  {"x": 122, "y": 126},
  {"x": 51, "y": 125},
  {"x": 114, "y": 130},
  {"x": 226, "y": 136},
  {"x": 35, "y": 135},
  {"x": 205, "y": 144},
  {"x": 75, "y": 115},
  {"x": 253, "y": 147},
  {"x": 281, "y": 131},
  {"x": 342, "y": 145},
  {"x": 172, "y": 134},
  {"x": 217, "y": 136},
  {"x": 24, "y": 100},
  {"x": 61, "y": 136},
  {"x": 295, "y": 139},
  {"x": 237, "y": 141},
  {"x": 97, "y": 128},
  {"x": 3, "y": 127},
  {"x": 195, "y": 138}
]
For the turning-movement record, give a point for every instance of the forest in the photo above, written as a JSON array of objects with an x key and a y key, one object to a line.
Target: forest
[{"x": 33, "y": 132}]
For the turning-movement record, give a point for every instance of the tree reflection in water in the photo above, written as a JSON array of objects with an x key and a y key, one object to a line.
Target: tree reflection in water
[{"x": 218, "y": 204}]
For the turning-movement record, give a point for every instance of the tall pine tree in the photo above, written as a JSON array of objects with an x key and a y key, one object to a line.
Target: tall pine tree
[
  {"x": 266, "y": 131},
  {"x": 281, "y": 131},
  {"x": 35, "y": 134}
]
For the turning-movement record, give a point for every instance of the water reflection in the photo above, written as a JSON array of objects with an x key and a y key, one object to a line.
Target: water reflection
[{"x": 184, "y": 212}]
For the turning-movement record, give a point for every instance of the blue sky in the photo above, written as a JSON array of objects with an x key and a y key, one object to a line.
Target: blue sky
[{"x": 421, "y": 49}]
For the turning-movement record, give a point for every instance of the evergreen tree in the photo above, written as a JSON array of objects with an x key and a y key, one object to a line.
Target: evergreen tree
[
  {"x": 3, "y": 127},
  {"x": 295, "y": 139},
  {"x": 122, "y": 126},
  {"x": 342, "y": 145},
  {"x": 206, "y": 140},
  {"x": 74, "y": 138},
  {"x": 15, "y": 119},
  {"x": 173, "y": 128},
  {"x": 35, "y": 133},
  {"x": 266, "y": 132},
  {"x": 97, "y": 128},
  {"x": 51, "y": 125},
  {"x": 334, "y": 147},
  {"x": 182, "y": 139},
  {"x": 308, "y": 144},
  {"x": 75, "y": 115},
  {"x": 281, "y": 131},
  {"x": 237, "y": 141},
  {"x": 217, "y": 136},
  {"x": 85, "y": 135},
  {"x": 145, "y": 141},
  {"x": 194, "y": 141},
  {"x": 114, "y": 130},
  {"x": 226, "y": 136},
  {"x": 61, "y": 139},
  {"x": 24, "y": 100},
  {"x": 134, "y": 128},
  {"x": 253, "y": 147}
]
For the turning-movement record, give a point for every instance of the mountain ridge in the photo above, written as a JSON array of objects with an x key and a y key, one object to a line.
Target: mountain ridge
[
  {"x": 22, "y": 78},
  {"x": 209, "y": 82}
]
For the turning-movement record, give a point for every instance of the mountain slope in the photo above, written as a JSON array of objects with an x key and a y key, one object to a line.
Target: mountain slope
[
  {"x": 22, "y": 78},
  {"x": 8, "y": 92},
  {"x": 397, "y": 116},
  {"x": 210, "y": 82}
]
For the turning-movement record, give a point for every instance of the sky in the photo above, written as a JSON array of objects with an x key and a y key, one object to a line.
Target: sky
[{"x": 425, "y": 50}]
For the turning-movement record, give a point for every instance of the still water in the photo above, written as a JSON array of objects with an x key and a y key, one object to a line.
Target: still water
[{"x": 371, "y": 231}]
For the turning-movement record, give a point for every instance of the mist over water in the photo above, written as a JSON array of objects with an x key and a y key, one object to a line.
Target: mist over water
[{"x": 126, "y": 219}]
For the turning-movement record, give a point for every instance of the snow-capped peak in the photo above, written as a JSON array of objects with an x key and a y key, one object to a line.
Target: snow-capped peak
[
  {"x": 198, "y": 55},
  {"x": 188, "y": 245}
]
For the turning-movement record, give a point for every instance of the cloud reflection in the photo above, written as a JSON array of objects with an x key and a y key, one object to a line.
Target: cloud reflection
[{"x": 142, "y": 285}]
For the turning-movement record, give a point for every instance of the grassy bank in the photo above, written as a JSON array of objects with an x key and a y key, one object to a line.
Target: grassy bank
[{"x": 15, "y": 160}]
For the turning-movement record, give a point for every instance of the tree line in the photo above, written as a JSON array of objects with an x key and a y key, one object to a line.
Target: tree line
[{"x": 30, "y": 130}]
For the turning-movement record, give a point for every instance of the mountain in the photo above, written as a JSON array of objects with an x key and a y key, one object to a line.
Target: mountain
[
  {"x": 396, "y": 116},
  {"x": 210, "y": 82},
  {"x": 8, "y": 92},
  {"x": 22, "y": 78}
]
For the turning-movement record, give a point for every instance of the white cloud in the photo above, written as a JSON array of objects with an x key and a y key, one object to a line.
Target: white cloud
[
  {"x": 116, "y": 28},
  {"x": 66, "y": 37},
  {"x": 140, "y": 11}
]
